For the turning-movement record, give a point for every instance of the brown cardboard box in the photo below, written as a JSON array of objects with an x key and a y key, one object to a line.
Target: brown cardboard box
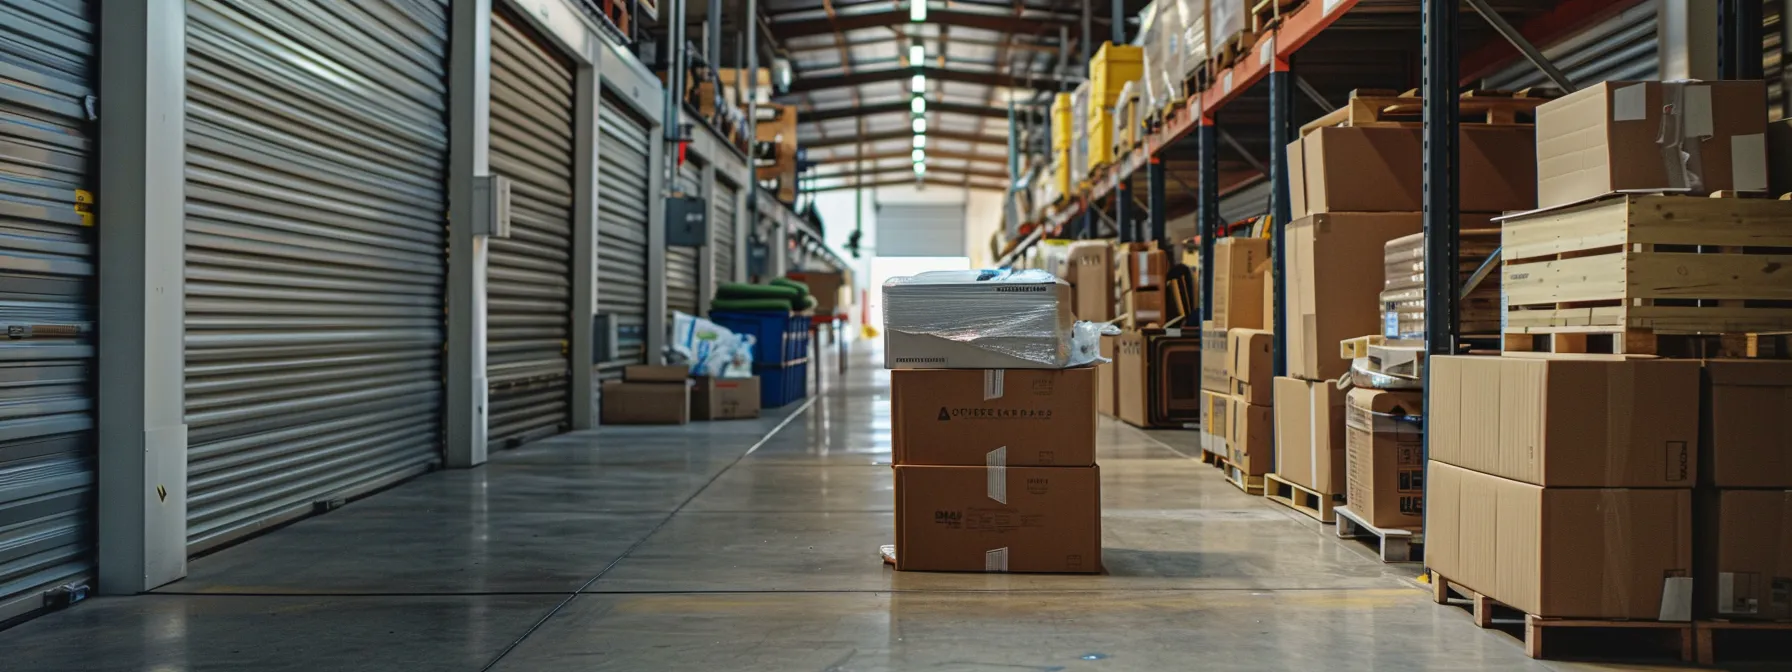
[
  {"x": 1141, "y": 266},
  {"x": 1213, "y": 359},
  {"x": 1378, "y": 169},
  {"x": 1269, "y": 295},
  {"x": 1747, "y": 441},
  {"x": 1562, "y": 552},
  {"x": 1310, "y": 434},
  {"x": 1335, "y": 274},
  {"x": 826, "y": 287},
  {"x": 1016, "y": 519},
  {"x": 1250, "y": 372},
  {"x": 1146, "y": 307},
  {"x": 1565, "y": 420},
  {"x": 1132, "y": 379},
  {"x": 626, "y": 403},
  {"x": 724, "y": 398},
  {"x": 1745, "y": 554},
  {"x": 1252, "y": 444},
  {"x": 1091, "y": 272},
  {"x": 655, "y": 373},
  {"x": 1238, "y": 282},
  {"x": 1603, "y": 139},
  {"x": 1107, "y": 385},
  {"x": 1035, "y": 417},
  {"x": 1216, "y": 423},
  {"x": 1384, "y": 450}
]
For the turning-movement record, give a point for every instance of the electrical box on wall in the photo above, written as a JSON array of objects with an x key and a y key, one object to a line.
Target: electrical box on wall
[
  {"x": 604, "y": 338},
  {"x": 757, "y": 257},
  {"x": 491, "y": 203},
  {"x": 687, "y": 221}
]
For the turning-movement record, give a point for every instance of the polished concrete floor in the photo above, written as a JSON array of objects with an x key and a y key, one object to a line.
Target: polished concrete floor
[{"x": 752, "y": 545}]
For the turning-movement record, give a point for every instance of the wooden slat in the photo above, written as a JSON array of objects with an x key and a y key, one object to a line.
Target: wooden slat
[
  {"x": 1674, "y": 275},
  {"x": 1596, "y": 278}
]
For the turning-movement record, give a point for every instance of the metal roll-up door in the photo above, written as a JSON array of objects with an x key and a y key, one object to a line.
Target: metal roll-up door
[
  {"x": 623, "y": 152},
  {"x": 724, "y": 231},
  {"x": 1246, "y": 202},
  {"x": 529, "y": 275},
  {"x": 317, "y": 148},
  {"x": 1623, "y": 47},
  {"x": 682, "y": 276},
  {"x": 47, "y": 70}
]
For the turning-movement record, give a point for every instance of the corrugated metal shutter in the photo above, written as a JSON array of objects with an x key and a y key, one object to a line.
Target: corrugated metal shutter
[
  {"x": 682, "y": 275},
  {"x": 623, "y": 153},
  {"x": 1621, "y": 47},
  {"x": 724, "y": 230},
  {"x": 529, "y": 276},
  {"x": 46, "y": 279},
  {"x": 317, "y": 145},
  {"x": 1251, "y": 200}
]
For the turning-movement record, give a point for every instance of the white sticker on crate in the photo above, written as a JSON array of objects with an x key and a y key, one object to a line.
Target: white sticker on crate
[
  {"x": 1329, "y": 6},
  {"x": 1228, "y": 81},
  {"x": 1748, "y": 162},
  {"x": 1267, "y": 52},
  {"x": 1698, "y": 112}
]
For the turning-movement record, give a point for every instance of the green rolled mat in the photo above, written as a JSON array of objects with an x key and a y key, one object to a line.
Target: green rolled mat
[
  {"x": 750, "y": 304},
  {"x": 741, "y": 290},
  {"x": 808, "y": 303},
  {"x": 799, "y": 286}
]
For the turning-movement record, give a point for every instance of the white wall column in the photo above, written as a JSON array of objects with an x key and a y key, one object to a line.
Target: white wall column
[
  {"x": 584, "y": 246},
  {"x": 469, "y": 129},
  {"x": 1688, "y": 33}
]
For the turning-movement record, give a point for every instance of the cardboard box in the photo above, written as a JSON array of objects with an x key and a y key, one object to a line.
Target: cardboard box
[
  {"x": 1016, "y": 519},
  {"x": 1146, "y": 307},
  {"x": 1310, "y": 434},
  {"x": 626, "y": 403},
  {"x": 1214, "y": 361},
  {"x": 1040, "y": 322},
  {"x": 1132, "y": 379},
  {"x": 1384, "y": 439},
  {"x": 1216, "y": 423},
  {"x": 1379, "y": 169},
  {"x": 828, "y": 288},
  {"x": 1602, "y": 139},
  {"x": 1564, "y": 420},
  {"x": 1238, "y": 282},
  {"x": 1018, "y": 417},
  {"x": 1141, "y": 266},
  {"x": 1250, "y": 369},
  {"x": 1251, "y": 447},
  {"x": 1335, "y": 274},
  {"x": 1267, "y": 270},
  {"x": 1091, "y": 273},
  {"x": 724, "y": 398},
  {"x": 1562, "y": 552},
  {"x": 1107, "y": 385},
  {"x": 1745, "y": 554},
  {"x": 655, "y": 373},
  {"x": 1747, "y": 441}
]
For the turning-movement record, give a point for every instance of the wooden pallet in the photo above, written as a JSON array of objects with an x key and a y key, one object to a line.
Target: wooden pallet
[
  {"x": 1251, "y": 485},
  {"x": 1744, "y": 640},
  {"x": 1380, "y": 107},
  {"x": 1394, "y": 544},
  {"x": 1620, "y": 341},
  {"x": 1612, "y": 638},
  {"x": 1213, "y": 459},
  {"x": 1300, "y": 498},
  {"x": 1266, "y": 14}
]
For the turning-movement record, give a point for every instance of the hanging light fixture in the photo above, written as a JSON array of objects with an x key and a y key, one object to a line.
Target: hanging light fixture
[
  {"x": 917, "y": 105},
  {"x": 917, "y": 10},
  {"x": 918, "y": 155},
  {"x": 917, "y": 54},
  {"x": 920, "y": 125},
  {"x": 920, "y": 169},
  {"x": 917, "y": 84},
  {"x": 920, "y": 141}
]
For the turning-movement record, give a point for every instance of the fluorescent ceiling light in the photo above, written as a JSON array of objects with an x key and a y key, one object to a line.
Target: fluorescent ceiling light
[
  {"x": 920, "y": 141},
  {"x": 920, "y": 169},
  {"x": 917, "y": 105},
  {"x": 920, "y": 124},
  {"x": 917, "y": 83},
  {"x": 917, "y": 10},
  {"x": 916, "y": 54},
  {"x": 918, "y": 155}
]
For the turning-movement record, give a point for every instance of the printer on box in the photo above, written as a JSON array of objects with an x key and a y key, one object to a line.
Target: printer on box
[{"x": 1001, "y": 319}]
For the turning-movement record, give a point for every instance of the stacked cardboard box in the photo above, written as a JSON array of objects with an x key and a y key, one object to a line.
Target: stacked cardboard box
[
  {"x": 1140, "y": 271},
  {"x": 1088, "y": 267},
  {"x": 995, "y": 470},
  {"x": 651, "y": 395},
  {"x": 1744, "y": 502},
  {"x": 1150, "y": 367},
  {"x": 1235, "y": 363}
]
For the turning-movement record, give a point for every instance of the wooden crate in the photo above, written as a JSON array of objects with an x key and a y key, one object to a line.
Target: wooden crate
[
  {"x": 1266, "y": 14},
  {"x": 1540, "y": 635},
  {"x": 1379, "y": 107},
  {"x": 1632, "y": 266}
]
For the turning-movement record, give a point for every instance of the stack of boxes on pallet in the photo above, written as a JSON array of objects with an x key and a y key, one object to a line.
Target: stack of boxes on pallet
[
  {"x": 993, "y": 438},
  {"x": 1113, "y": 67},
  {"x": 1236, "y": 371}
]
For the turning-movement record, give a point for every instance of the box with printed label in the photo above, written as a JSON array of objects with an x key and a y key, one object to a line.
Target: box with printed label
[
  {"x": 1239, "y": 279},
  {"x": 1384, "y": 453},
  {"x": 724, "y": 398},
  {"x": 1568, "y": 420},
  {"x": 1310, "y": 434},
  {"x": 1562, "y": 552},
  {"x": 1250, "y": 370},
  {"x": 1746, "y": 434},
  {"x": 1694, "y": 137},
  {"x": 1015, "y": 417},
  {"x": 1213, "y": 359},
  {"x": 1251, "y": 447},
  {"x": 1133, "y": 379},
  {"x": 1745, "y": 554},
  {"x": 1146, "y": 307},
  {"x": 1011, "y": 519},
  {"x": 1141, "y": 266}
]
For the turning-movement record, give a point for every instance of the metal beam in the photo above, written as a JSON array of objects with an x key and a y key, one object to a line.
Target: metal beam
[
  {"x": 1207, "y": 205},
  {"x": 807, "y": 83},
  {"x": 910, "y": 182},
  {"x": 999, "y": 23},
  {"x": 857, "y": 111},
  {"x": 906, "y": 134},
  {"x": 989, "y": 159},
  {"x": 1536, "y": 57},
  {"x": 1281, "y": 125},
  {"x": 883, "y": 170},
  {"x": 1440, "y": 122},
  {"x": 1022, "y": 46},
  {"x": 1740, "y": 54}
]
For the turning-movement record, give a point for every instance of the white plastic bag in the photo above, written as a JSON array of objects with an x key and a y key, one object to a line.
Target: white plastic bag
[{"x": 711, "y": 349}]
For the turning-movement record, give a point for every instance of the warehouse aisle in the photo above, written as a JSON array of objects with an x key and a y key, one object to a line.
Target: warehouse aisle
[{"x": 752, "y": 545}]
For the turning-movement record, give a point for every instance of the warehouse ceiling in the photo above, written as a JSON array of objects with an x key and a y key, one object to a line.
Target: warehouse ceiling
[{"x": 851, "y": 79}]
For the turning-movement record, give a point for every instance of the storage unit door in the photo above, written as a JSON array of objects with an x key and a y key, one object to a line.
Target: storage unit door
[
  {"x": 317, "y": 147},
  {"x": 682, "y": 275},
  {"x": 47, "y": 72},
  {"x": 529, "y": 275},
  {"x": 623, "y": 153},
  {"x": 722, "y": 231}
]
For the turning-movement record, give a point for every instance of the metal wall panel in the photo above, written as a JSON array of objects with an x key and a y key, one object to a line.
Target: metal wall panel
[
  {"x": 624, "y": 148},
  {"x": 1251, "y": 200},
  {"x": 1623, "y": 47},
  {"x": 317, "y": 148},
  {"x": 47, "y": 467},
  {"x": 723, "y": 230},
  {"x": 683, "y": 277},
  {"x": 529, "y": 275}
]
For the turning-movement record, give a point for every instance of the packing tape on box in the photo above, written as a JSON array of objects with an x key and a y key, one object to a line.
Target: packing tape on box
[
  {"x": 1685, "y": 124},
  {"x": 996, "y": 462},
  {"x": 996, "y": 560},
  {"x": 992, "y": 384}
]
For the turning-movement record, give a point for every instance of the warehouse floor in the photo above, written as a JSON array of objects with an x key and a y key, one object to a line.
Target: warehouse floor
[{"x": 752, "y": 545}]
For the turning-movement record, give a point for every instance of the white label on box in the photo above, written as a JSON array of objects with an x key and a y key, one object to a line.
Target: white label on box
[
  {"x": 1329, "y": 6},
  {"x": 1630, "y": 103},
  {"x": 1748, "y": 162},
  {"x": 1726, "y": 592},
  {"x": 996, "y": 560},
  {"x": 1697, "y": 121},
  {"x": 1267, "y": 52},
  {"x": 992, "y": 384},
  {"x": 1676, "y": 598},
  {"x": 1228, "y": 81},
  {"x": 996, "y": 462}
]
